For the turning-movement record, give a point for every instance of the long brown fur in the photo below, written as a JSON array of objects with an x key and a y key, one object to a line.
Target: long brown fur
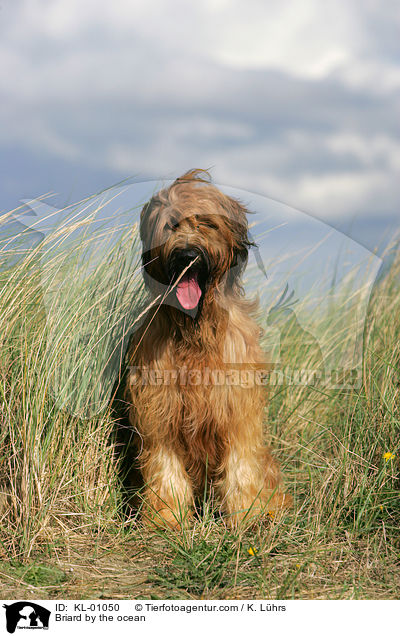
[{"x": 197, "y": 434}]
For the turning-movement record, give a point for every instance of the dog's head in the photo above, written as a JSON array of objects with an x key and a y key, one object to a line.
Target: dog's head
[{"x": 195, "y": 238}]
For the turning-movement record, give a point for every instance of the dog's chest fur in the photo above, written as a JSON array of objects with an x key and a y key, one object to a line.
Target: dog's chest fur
[{"x": 188, "y": 392}]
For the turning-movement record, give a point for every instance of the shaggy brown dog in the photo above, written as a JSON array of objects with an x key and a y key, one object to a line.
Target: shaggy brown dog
[{"x": 196, "y": 424}]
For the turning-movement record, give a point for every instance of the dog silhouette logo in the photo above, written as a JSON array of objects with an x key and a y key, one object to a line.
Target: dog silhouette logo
[{"x": 26, "y": 615}]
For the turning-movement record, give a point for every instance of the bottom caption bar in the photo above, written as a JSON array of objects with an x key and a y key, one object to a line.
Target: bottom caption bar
[{"x": 158, "y": 617}]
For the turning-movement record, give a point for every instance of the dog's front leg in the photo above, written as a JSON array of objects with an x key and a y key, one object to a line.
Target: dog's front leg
[
  {"x": 250, "y": 484},
  {"x": 168, "y": 496}
]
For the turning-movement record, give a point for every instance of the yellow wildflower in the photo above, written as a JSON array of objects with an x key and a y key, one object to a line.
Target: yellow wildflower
[
  {"x": 388, "y": 456},
  {"x": 252, "y": 551}
]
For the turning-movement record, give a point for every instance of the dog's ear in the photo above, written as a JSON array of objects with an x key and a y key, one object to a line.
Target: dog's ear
[
  {"x": 152, "y": 275},
  {"x": 145, "y": 237},
  {"x": 237, "y": 220},
  {"x": 147, "y": 220},
  {"x": 240, "y": 256}
]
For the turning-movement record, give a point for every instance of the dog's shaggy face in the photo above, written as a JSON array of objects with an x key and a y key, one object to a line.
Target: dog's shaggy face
[{"x": 194, "y": 240}]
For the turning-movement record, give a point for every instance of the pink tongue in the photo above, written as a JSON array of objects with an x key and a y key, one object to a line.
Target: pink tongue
[{"x": 188, "y": 292}]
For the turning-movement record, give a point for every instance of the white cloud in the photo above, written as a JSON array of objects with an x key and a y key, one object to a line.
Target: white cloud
[
  {"x": 334, "y": 195},
  {"x": 371, "y": 151},
  {"x": 308, "y": 39}
]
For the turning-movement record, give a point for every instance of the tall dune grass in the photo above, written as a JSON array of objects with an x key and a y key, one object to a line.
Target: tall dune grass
[
  {"x": 63, "y": 329},
  {"x": 64, "y": 324}
]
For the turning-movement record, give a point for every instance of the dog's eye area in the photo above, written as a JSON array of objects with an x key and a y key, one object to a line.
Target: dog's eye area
[
  {"x": 172, "y": 225},
  {"x": 209, "y": 223}
]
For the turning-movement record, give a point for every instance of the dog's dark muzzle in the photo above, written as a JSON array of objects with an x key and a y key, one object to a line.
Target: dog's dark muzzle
[{"x": 196, "y": 258}]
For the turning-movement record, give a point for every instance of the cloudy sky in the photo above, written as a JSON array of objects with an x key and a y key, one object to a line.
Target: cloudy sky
[{"x": 298, "y": 100}]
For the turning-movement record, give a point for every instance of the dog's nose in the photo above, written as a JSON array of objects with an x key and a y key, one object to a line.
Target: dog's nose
[
  {"x": 181, "y": 258},
  {"x": 189, "y": 254}
]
